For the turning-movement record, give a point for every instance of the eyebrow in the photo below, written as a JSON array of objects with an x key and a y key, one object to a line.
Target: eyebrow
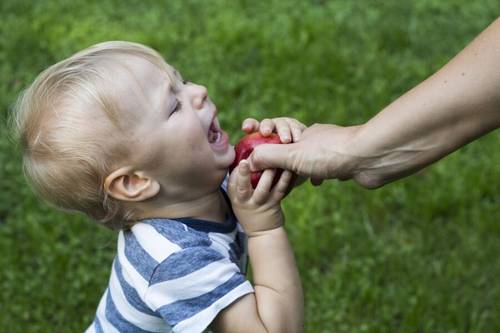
[
  {"x": 178, "y": 76},
  {"x": 170, "y": 90}
]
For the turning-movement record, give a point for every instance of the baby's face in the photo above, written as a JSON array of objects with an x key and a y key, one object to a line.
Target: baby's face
[{"x": 173, "y": 125}]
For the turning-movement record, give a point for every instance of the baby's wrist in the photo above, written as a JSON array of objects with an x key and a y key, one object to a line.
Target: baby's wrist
[
  {"x": 257, "y": 223},
  {"x": 252, "y": 234}
]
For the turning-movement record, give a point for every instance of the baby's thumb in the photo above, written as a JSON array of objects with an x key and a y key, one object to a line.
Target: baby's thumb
[{"x": 271, "y": 156}]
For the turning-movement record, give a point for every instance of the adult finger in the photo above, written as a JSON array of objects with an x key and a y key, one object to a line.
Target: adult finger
[
  {"x": 296, "y": 127},
  {"x": 272, "y": 156}
]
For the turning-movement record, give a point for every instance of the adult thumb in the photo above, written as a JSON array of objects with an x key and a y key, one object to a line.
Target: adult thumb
[{"x": 271, "y": 156}]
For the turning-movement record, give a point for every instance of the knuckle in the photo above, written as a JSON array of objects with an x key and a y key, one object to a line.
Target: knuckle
[{"x": 241, "y": 190}]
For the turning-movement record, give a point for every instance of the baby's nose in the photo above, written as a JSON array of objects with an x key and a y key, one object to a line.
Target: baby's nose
[{"x": 200, "y": 96}]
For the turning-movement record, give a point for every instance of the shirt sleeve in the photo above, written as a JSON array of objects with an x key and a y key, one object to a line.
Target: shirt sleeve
[{"x": 191, "y": 286}]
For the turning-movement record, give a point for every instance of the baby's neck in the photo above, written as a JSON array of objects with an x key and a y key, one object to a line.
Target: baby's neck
[{"x": 211, "y": 207}]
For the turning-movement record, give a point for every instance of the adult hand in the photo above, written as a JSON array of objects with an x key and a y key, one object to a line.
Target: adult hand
[
  {"x": 322, "y": 152},
  {"x": 451, "y": 108}
]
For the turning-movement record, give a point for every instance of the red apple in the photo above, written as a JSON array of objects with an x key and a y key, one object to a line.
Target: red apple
[{"x": 245, "y": 147}]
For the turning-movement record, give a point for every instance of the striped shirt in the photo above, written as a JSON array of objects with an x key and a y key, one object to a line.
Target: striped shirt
[{"x": 173, "y": 275}]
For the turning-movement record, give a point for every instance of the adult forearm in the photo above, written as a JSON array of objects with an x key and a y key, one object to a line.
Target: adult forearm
[
  {"x": 278, "y": 289},
  {"x": 451, "y": 108}
]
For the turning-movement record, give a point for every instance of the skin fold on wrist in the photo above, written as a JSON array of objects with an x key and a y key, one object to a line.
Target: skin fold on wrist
[{"x": 261, "y": 233}]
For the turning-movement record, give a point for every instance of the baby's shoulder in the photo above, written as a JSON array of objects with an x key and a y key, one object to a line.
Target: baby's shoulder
[
  {"x": 177, "y": 249},
  {"x": 152, "y": 243},
  {"x": 169, "y": 236}
]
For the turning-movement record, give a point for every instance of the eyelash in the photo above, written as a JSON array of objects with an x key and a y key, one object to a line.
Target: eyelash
[{"x": 177, "y": 107}]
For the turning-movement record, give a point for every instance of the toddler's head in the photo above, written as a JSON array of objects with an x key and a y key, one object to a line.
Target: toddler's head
[{"x": 114, "y": 132}]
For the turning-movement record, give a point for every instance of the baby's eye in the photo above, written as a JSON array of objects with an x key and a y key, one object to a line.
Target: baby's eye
[
  {"x": 184, "y": 82},
  {"x": 178, "y": 106}
]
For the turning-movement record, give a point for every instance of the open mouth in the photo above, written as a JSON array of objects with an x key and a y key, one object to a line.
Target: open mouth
[
  {"x": 214, "y": 132},
  {"x": 217, "y": 138}
]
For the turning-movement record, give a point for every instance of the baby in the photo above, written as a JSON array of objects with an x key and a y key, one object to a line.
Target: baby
[{"x": 116, "y": 133}]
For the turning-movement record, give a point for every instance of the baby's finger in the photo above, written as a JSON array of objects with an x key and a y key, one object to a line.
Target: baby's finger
[
  {"x": 261, "y": 193},
  {"x": 266, "y": 127},
  {"x": 282, "y": 186},
  {"x": 283, "y": 129},
  {"x": 250, "y": 125},
  {"x": 243, "y": 186},
  {"x": 231, "y": 183}
]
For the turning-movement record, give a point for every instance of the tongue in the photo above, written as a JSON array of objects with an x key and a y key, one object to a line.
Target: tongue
[{"x": 212, "y": 136}]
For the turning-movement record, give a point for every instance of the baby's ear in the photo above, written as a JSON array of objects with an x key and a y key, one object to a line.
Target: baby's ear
[{"x": 127, "y": 184}]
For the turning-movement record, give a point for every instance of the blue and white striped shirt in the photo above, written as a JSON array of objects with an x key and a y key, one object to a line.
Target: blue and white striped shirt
[{"x": 173, "y": 276}]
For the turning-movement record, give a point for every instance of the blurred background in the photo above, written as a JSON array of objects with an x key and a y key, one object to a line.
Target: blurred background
[{"x": 419, "y": 255}]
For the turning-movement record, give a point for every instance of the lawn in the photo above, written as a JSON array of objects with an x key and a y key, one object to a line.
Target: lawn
[{"x": 419, "y": 255}]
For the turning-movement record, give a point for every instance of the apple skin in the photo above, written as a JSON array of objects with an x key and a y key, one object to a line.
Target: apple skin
[{"x": 245, "y": 147}]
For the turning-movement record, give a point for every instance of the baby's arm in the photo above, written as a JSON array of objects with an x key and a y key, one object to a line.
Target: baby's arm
[{"x": 277, "y": 304}]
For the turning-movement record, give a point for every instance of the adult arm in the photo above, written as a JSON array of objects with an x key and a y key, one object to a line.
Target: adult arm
[{"x": 456, "y": 105}]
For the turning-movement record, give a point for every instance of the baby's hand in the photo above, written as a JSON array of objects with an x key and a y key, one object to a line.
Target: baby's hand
[
  {"x": 257, "y": 210},
  {"x": 288, "y": 129}
]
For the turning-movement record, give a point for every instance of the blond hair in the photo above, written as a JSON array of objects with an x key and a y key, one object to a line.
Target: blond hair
[{"x": 64, "y": 159}]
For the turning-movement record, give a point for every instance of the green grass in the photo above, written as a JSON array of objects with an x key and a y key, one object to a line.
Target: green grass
[{"x": 419, "y": 255}]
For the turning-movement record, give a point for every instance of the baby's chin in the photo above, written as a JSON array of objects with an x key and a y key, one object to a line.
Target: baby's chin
[{"x": 225, "y": 161}]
